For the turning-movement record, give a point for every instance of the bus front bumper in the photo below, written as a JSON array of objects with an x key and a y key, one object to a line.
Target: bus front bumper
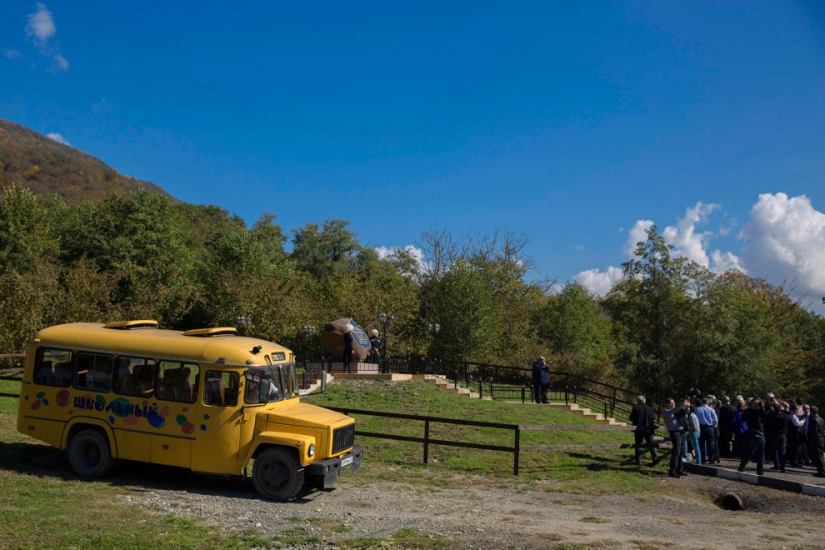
[{"x": 324, "y": 473}]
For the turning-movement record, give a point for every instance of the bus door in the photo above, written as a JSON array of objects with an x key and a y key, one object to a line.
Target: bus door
[
  {"x": 220, "y": 424},
  {"x": 178, "y": 416}
]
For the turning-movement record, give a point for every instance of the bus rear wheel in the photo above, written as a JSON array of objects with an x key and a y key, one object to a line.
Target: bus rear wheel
[
  {"x": 89, "y": 454},
  {"x": 277, "y": 474}
]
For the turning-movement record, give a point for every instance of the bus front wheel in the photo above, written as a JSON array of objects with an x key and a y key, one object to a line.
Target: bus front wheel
[
  {"x": 89, "y": 454},
  {"x": 277, "y": 474}
]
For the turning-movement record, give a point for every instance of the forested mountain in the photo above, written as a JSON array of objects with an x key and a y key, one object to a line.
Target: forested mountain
[{"x": 46, "y": 167}]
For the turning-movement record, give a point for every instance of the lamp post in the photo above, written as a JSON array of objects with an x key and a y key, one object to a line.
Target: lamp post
[
  {"x": 385, "y": 320},
  {"x": 309, "y": 330},
  {"x": 243, "y": 322}
]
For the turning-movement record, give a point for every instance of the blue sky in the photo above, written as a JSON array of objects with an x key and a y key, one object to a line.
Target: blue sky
[{"x": 575, "y": 123}]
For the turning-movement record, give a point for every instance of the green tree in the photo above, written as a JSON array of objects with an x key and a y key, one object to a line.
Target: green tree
[
  {"x": 29, "y": 273},
  {"x": 651, "y": 310},
  {"x": 501, "y": 262},
  {"x": 140, "y": 237},
  {"x": 463, "y": 306},
  {"x": 577, "y": 333},
  {"x": 326, "y": 249},
  {"x": 26, "y": 236},
  {"x": 270, "y": 237}
]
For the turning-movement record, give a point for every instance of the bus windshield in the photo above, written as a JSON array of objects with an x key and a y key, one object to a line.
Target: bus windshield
[{"x": 268, "y": 383}]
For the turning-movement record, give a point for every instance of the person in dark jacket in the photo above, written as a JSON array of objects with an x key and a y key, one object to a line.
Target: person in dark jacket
[
  {"x": 779, "y": 424},
  {"x": 676, "y": 423},
  {"x": 348, "y": 348},
  {"x": 740, "y": 430},
  {"x": 816, "y": 441},
  {"x": 754, "y": 417},
  {"x": 374, "y": 355},
  {"x": 541, "y": 380},
  {"x": 796, "y": 435},
  {"x": 726, "y": 412},
  {"x": 644, "y": 418}
]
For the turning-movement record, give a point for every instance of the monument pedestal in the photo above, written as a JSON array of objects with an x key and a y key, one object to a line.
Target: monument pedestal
[{"x": 337, "y": 367}]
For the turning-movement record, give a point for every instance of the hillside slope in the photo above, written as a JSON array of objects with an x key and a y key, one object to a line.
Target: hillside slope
[{"x": 47, "y": 167}]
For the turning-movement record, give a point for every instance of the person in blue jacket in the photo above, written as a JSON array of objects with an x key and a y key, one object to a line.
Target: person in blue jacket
[{"x": 541, "y": 380}]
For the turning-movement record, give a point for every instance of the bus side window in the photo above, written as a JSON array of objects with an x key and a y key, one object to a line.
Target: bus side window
[
  {"x": 178, "y": 381},
  {"x": 221, "y": 388},
  {"x": 53, "y": 367},
  {"x": 102, "y": 377},
  {"x": 63, "y": 374},
  {"x": 135, "y": 376},
  {"x": 82, "y": 371},
  {"x": 124, "y": 378},
  {"x": 93, "y": 372},
  {"x": 43, "y": 374}
]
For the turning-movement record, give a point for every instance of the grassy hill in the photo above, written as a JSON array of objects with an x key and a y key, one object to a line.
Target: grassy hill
[
  {"x": 48, "y": 167},
  {"x": 586, "y": 468}
]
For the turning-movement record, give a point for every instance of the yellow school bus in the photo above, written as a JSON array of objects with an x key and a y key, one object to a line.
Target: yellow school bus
[{"x": 207, "y": 399}]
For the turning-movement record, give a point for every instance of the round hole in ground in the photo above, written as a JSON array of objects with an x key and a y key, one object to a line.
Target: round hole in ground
[{"x": 729, "y": 501}]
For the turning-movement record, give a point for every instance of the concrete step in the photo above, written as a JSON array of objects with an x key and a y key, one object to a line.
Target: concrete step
[{"x": 587, "y": 413}]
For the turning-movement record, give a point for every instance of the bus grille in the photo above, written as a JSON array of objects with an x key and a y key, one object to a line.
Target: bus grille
[{"x": 343, "y": 438}]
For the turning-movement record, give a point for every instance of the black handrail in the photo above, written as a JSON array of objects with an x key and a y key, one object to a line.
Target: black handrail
[{"x": 607, "y": 398}]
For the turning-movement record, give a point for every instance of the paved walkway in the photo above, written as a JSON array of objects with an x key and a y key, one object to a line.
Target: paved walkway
[{"x": 800, "y": 480}]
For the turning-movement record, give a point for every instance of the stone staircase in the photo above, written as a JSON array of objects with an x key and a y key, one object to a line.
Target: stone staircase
[
  {"x": 441, "y": 382},
  {"x": 587, "y": 413}
]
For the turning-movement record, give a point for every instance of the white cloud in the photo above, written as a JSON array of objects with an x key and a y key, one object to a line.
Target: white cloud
[
  {"x": 64, "y": 64},
  {"x": 11, "y": 53},
  {"x": 637, "y": 233},
  {"x": 41, "y": 29},
  {"x": 60, "y": 64},
  {"x": 41, "y": 25},
  {"x": 726, "y": 261},
  {"x": 58, "y": 138},
  {"x": 416, "y": 253},
  {"x": 599, "y": 282},
  {"x": 786, "y": 243},
  {"x": 686, "y": 241}
]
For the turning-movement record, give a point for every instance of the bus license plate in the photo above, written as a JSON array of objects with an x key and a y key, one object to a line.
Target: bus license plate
[{"x": 347, "y": 461}]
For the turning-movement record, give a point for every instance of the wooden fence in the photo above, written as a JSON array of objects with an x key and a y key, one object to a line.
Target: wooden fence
[
  {"x": 11, "y": 368},
  {"x": 516, "y": 448}
]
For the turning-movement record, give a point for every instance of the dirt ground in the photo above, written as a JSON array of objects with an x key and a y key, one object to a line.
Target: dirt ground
[{"x": 528, "y": 515}]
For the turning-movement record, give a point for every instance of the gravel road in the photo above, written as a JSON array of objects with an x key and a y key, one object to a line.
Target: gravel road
[{"x": 478, "y": 513}]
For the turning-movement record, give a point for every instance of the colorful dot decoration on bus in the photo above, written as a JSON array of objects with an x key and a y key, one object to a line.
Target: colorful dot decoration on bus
[
  {"x": 186, "y": 426},
  {"x": 40, "y": 401},
  {"x": 119, "y": 408},
  {"x": 64, "y": 397}
]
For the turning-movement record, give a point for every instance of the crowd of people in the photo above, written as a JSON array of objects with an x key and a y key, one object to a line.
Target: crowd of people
[{"x": 705, "y": 429}]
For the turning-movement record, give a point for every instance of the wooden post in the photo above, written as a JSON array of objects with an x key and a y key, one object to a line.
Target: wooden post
[
  {"x": 516, "y": 451},
  {"x": 426, "y": 441}
]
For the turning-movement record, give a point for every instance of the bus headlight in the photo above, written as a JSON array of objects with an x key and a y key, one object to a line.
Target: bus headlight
[{"x": 311, "y": 450}]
